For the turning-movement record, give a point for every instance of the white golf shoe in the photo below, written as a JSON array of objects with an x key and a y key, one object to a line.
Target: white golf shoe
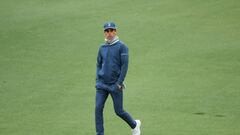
[{"x": 136, "y": 130}]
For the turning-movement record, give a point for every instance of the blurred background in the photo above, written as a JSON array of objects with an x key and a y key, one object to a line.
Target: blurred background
[{"x": 183, "y": 76}]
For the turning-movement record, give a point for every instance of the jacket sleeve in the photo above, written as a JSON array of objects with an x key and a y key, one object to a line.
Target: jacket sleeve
[
  {"x": 124, "y": 64},
  {"x": 99, "y": 64}
]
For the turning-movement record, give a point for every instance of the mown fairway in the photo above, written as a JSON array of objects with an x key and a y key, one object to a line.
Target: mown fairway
[{"x": 183, "y": 76}]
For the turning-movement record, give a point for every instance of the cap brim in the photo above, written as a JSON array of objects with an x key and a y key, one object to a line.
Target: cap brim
[{"x": 110, "y": 28}]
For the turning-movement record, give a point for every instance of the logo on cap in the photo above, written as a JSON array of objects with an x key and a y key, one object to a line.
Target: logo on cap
[{"x": 109, "y": 25}]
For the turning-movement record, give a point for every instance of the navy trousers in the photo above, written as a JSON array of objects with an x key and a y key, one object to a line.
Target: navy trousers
[{"x": 117, "y": 97}]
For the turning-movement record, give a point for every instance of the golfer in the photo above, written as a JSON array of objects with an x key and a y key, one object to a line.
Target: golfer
[{"x": 112, "y": 66}]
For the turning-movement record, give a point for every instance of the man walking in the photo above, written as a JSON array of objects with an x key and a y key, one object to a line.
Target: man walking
[{"x": 112, "y": 66}]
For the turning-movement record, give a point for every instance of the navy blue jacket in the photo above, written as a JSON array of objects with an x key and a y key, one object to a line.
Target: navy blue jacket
[{"x": 112, "y": 63}]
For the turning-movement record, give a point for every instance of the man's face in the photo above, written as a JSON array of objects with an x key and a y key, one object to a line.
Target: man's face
[{"x": 110, "y": 34}]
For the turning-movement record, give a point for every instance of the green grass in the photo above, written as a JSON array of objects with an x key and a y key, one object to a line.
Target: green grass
[{"x": 183, "y": 77}]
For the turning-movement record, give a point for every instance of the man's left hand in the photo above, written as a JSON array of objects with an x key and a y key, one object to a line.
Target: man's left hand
[{"x": 119, "y": 86}]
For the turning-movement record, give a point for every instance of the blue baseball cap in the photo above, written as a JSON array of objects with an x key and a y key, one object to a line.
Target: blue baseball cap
[{"x": 109, "y": 25}]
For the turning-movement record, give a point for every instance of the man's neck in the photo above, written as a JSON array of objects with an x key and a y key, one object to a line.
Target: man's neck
[{"x": 113, "y": 41}]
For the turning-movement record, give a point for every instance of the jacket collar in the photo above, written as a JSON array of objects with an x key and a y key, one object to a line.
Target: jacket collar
[{"x": 113, "y": 41}]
